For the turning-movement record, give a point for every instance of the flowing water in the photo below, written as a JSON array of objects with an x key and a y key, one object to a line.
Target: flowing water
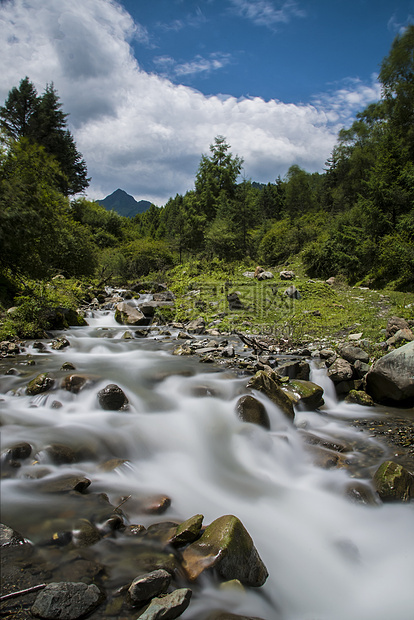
[{"x": 328, "y": 558}]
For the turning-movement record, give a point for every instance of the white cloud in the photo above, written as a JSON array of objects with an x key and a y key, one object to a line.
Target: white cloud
[
  {"x": 139, "y": 131},
  {"x": 394, "y": 25},
  {"x": 265, "y": 13},
  {"x": 171, "y": 68}
]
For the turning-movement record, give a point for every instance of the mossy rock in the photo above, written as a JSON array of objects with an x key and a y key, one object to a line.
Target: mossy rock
[
  {"x": 251, "y": 410},
  {"x": 304, "y": 393},
  {"x": 266, "y": 384},
  {"x": 227, "y": 547},
  {"x": 41, "y": 383},
  {"x": 359, "y": 397},
  {"x": 393, "y": 482}
]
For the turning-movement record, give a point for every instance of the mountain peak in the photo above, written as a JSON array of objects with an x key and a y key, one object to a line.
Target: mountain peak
[{"x": 124, "y": 204}]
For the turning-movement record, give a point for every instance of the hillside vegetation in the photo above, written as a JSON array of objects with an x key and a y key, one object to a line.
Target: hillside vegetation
[{"x": 354, "y": 221}]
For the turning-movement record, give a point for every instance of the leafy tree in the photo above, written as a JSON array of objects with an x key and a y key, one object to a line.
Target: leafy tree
[
  {"x": 217, "y": 174},
  {"x": 41, "y": 119},
  {"x": 16, "y": 116},
  {"x": 397, "y": 79},
  {"x": 37, "y": 235}
]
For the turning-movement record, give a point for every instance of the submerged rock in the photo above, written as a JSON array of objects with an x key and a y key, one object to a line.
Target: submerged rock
[
  {"x": 66, "y": 601},
  {"x": 251, "y": 410},
  {"x": 227, "y": 547}
]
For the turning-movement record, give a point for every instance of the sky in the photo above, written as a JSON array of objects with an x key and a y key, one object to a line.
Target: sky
[{"x": 149, "y": 84}]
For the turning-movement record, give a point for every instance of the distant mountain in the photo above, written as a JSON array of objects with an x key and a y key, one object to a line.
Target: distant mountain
[{"x": 124, "y": 204}]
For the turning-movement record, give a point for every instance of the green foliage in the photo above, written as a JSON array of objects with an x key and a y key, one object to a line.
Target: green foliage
[
  {"x": 40, "y": 119},
  {"x": 33, "y": 303},
  {"x": 146, "y": 255},
  {"x": 37, "y": 235},
  {"x": 216, "y": 176}
]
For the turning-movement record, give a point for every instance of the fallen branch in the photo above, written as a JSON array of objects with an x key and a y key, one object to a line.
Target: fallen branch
[{"x": 5, "y": 597}]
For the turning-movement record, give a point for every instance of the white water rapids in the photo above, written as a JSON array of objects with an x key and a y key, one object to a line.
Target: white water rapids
[{"x": 328, "y": 558}]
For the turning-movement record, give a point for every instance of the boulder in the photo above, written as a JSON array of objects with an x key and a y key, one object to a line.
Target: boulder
[
  {"x": 391, "y": 379},
  {"x": 169, "y": 606},
  {"x": 128, "y": 314},
  {"x": 249, "y": 409},
  {"x": 265, "y": 275},
  {"x": 287, "y": 275},
  {"x": 340, "y": 370},
  {"x": 304, "y": 393},
  {"x": 268, "y": 385},
  {"x": 112, "y": 398},
  {"x": 66, "y": 601},
  {"x": 351, "y": 354},
  {"x": 393, "y": 482},
  {"x": 227, "y": 547},
  {"x": 145, "y": 587}
]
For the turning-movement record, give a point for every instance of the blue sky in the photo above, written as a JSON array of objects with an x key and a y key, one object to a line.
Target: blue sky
[
  {"x": 288, "y": 50},
  {"x": 149, "y": 84}
]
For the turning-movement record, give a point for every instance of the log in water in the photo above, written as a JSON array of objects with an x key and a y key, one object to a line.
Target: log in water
[{"x": 328, "y": 557}]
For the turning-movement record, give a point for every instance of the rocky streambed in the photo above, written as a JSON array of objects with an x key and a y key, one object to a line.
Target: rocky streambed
[{"x": 158, "y": 471}]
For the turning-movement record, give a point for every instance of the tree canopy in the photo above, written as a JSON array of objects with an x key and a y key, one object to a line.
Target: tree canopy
[{"x": 41, "y": 120}]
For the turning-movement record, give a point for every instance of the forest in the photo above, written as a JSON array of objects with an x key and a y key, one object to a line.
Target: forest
[{"x": 354, "y": 220}]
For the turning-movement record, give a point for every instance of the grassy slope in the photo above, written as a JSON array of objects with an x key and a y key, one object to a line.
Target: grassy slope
[{"x": 323, "y": 312}]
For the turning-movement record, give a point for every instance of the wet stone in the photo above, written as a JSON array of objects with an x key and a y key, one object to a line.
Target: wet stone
[
  {"x": 169, "y": 606},
  {"x": 60, "y": 343},
  {"x": 63, "y": 484},
  {"x": 156, "y": 504},
  {"x": 112, "y": 398},
  {"x": 187, "y": 532},
  {"x": 41, "y": 383},
  {"x": 66, "y": 601},
  {"x": 67, "y": 366},
  {"x": 251, "y": 410},
  {"x": 18, "y": 451},
  {"x": 60, "y": 454},
  {"x": 393, "y": 482},
  {"x": 145, "y": 587},
  {"x": 85, "y": 533},
  {"x": 74, "y": 383},
  {"x": 226, "y": 546}
]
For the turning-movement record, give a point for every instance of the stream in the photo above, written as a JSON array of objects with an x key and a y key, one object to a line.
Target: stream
[{"x": 328, "y": 557}]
